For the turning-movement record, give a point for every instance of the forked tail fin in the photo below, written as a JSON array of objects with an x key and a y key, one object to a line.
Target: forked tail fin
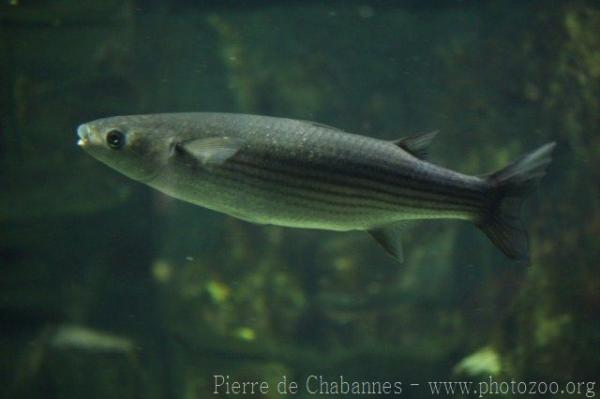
[{"x": 501, "y": 222}]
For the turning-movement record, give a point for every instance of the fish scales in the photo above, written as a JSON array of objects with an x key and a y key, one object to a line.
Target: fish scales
[
  {"x": 351, "y": 189},
  {"x": 333, "y": 155},
  {"x": 304, "y": 174}
]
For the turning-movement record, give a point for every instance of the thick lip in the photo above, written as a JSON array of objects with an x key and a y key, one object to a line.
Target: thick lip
[{"x": 83, "y": 133}]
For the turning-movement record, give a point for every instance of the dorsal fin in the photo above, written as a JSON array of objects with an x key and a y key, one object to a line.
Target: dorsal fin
[
  {"x": 321, "y": 125},
  {"x": 417, "y": 145}
]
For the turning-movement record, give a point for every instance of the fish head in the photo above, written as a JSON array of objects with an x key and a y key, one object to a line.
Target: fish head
[{"x": 134, "y": 145}]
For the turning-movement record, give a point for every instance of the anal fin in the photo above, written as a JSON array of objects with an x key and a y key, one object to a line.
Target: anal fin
[{"x": 389, "y": 237}]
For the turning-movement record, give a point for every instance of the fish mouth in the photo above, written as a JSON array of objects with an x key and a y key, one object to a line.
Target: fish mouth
[{"x": 83, "y": 132}]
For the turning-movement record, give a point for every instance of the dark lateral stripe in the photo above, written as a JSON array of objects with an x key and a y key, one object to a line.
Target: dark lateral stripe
[
  {"x": 388, "y": 180},
  {"x": 391, "y": 178},
  {"x": 327, "y": 187},
  {"x": 301, "y": 199},
  {"x": 282, "y": 185},
  {"x": 407, "y": 198},
  {"x": 285, "y": 179},
  {"x": 406, "y": 189},
  {"x": 394, "y": 179},
  {"x": 396, "y": 202},
  {"x": 399, "y": 197}
]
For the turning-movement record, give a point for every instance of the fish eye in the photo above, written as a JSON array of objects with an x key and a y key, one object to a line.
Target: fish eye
[{"x": 115, "y": 139}]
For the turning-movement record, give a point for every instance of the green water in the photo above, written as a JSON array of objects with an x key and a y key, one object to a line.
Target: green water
[{"x": 109, "y": 289}]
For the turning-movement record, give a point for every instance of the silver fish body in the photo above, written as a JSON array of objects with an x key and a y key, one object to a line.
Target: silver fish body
[{"x": 302, "y": 174}]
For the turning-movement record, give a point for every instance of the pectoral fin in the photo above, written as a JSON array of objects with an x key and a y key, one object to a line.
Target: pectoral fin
[
  {"x": 211, "y": 151},
  {"x": 417, "y": 145},
  {"x": 389, "y": 237}
]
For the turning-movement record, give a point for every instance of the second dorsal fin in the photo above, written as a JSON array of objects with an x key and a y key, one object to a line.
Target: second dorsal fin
[{"x": 417, "y": 145}]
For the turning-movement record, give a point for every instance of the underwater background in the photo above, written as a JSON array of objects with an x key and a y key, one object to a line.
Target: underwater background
[{"x": 109, "y": 289}]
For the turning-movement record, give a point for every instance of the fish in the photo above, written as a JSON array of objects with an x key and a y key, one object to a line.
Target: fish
[
  {"x": 303, "y": 174},
  {"x": 87, "y": 339}
]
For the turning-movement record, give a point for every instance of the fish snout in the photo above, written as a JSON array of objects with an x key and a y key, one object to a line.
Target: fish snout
[{"x": 83, "y": 131}]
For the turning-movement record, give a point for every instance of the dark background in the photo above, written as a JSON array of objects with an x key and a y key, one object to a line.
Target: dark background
[{"x": 194, "y": 293}]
